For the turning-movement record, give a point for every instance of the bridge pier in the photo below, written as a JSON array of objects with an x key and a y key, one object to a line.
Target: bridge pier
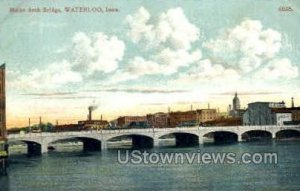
[
  {"x": 200, "y": 140},
  {"x": 103, "y": 145},
  {"x": 273, "y": 135},
  {"x": 44, "y": 148},
  {"x": 155, "y": 142},
  {"x": 240, "y": 139}
]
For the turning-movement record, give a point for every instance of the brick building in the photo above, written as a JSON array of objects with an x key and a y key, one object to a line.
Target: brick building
[
  {"x": 295, "y": 113},
  {"x": 93, "y": 124},
  {"x": 207, "y": 115},
  {"x": 158, "y": 120},
  {"x": 125, "y": 121},
  {"x": 192, "y": 118},
  {"x": 3, "y": 133}
]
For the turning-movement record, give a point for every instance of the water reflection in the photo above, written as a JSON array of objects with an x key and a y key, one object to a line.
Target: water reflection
[{"x": 4, "y": 183}]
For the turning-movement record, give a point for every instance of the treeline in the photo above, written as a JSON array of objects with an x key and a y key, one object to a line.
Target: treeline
[{"x": 43, "y": 127}]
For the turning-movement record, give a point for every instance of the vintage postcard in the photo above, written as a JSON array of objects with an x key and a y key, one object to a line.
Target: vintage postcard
[{"x": 149, "y": 95}]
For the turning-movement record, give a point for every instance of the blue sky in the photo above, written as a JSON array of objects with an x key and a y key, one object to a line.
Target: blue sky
[{"x": 146, "y": 57}]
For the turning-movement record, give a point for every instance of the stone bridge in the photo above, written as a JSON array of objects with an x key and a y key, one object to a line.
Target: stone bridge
[{"x": 145, "y": 138}]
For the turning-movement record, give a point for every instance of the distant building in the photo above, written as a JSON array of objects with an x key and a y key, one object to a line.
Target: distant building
[
  {"x": 267, "y": 113},
  {"x": 93, "y": 124},
  {"x": 222, "y": 121},
  {"x": 295, "y": 114},
  {"x": 205, "y": 115},
  {"x": 183, "y": 118},
  {"x": 158, "y": 120},
  {"x": 236, "y": 110},
  {"x": 124, "y": 121},
  {"x": 192, "y": 118},
  {"x": 3, "y": 132},
  {"x": 68, "y": 127}
]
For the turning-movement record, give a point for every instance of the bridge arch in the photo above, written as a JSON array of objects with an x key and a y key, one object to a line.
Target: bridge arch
[
  {"x": 88, "y": 143},
  {"x": 182, "y": 139},
  {"x": 34, "y": 148},
  {"x": 256, "y": 135},
  {"x": 288, "y": 134},
  {"x": 222, "y": 136},
  {"x": 137, "y": 140}
]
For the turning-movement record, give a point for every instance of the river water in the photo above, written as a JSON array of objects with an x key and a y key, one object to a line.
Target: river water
[{"x": 75, "y": 170}]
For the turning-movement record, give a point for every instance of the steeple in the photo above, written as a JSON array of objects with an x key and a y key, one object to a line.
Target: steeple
[{"x": 236, "y": 102}]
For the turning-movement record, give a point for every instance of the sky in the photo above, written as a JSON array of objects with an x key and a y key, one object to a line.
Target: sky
[{"x": 146, "y": 56}]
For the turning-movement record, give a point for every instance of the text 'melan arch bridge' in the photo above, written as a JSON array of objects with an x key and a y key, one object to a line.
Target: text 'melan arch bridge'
[{"x": 148, "y": 138}]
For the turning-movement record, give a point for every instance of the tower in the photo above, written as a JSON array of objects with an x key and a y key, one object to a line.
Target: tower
[
  {"x": 2, "y": 103},
  {"x": 236, "y": 105},
  {"x": 3, "y": 139}
]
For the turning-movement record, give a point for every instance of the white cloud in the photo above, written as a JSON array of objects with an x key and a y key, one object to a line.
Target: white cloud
[
  {"x": 248, "y": 44},
  {"x": 206, "y": 71},
  {"x": 53, "y": 76},
  {"x": 139, "y": 66},
  {"x": 170, "y": 27},
  {"x": 91, "y": 53},
  {"x": 97, "y": 52},
  {"x": 171, "y": 60},
  {"x": 278, "y": 69},
  {"x": 170, "y": 35}
]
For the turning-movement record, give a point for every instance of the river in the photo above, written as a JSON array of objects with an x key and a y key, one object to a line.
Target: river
[{"x": 72, "y": 169}]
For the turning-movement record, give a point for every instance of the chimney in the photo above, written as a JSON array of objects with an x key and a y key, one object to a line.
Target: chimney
[
  {"x": 208, "y": 106},
  {"x": 90, "y": 113},
  {"x": 101, "y": 117},
  {"x": 293, "y": 103},
  {"x": 191, "y": 107}
]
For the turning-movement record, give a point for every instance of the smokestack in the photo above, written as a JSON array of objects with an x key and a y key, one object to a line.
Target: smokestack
[
  {"x": 90, "y": 113},
  {"x": 191, "y": 107},
  {"x": 91, "y": 108},
  {"x": 169, "y": 109},
  {"x": 29, "y": 125},
  {"x": 101, "y": 117},
  {"x": 208, "y": 106},
  {"x": 293, "y": 103}
]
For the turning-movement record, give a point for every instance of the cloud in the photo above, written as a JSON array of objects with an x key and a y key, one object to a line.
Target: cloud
[
  {"x": 247, "y": 44},
  {"x": 53, "y": 76},
  {"x": 206, "y": 71},
  {"x": 168, "y": 39},
  {"x": 249, "y": 93},
  {"x": 140, "y": 90},
  {"x": 90, "y": 54},
  {"x": 170, "y": 27},
  {"x": 139, "y": 66},
  {"x": 165, "y": 62},
  {"x": 97, "y": 52},
  {"x": 171, "y": 60},
  {"x": 252, "y": 51},
  {"x": 50, "y": 94},
  {"x": 278, "y": 69}
]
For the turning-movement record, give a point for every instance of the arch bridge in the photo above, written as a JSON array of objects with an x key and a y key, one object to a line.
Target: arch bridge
[{"x": 37, "y": 143}]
